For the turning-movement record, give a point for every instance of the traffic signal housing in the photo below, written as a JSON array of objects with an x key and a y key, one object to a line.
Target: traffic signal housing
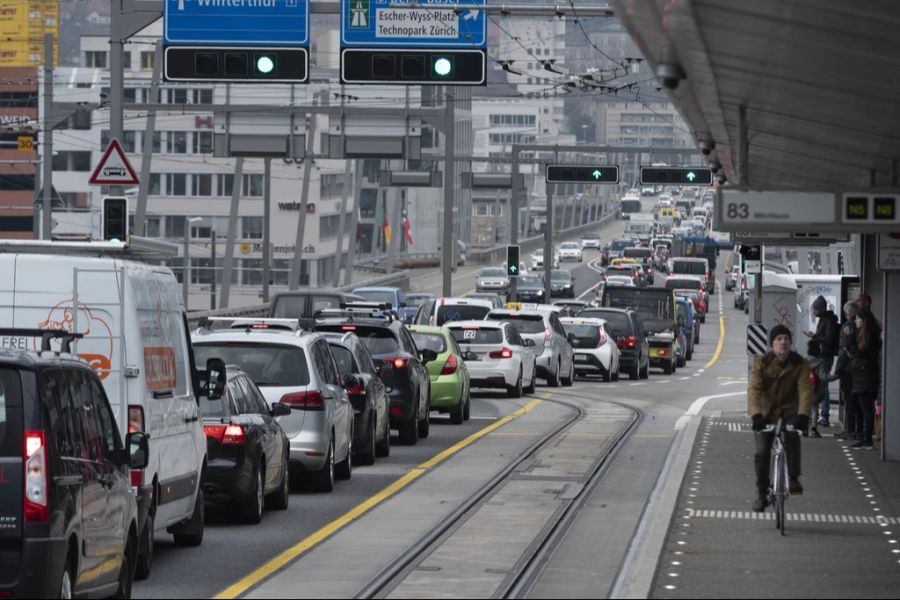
[
  {"x": 385, "y": 66},
  {"x": 676, "y": 176},
  {"x": 115, "y": 219},
  {"x": 237, "y": 64},
  {"x": 582, "y": 174},
  {"x": 512, "y": 261}
]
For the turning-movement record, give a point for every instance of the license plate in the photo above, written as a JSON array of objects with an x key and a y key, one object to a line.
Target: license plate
[{"x": 582, "y": 358}]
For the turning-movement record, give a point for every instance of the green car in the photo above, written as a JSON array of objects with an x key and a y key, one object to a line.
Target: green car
[{"x": 449, "y": 376}]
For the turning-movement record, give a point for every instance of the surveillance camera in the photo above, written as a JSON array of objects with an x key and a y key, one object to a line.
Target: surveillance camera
[
  {"x": 721, "y": 177},
  {"x": 669, "y": 74},
  {"x": 715, "y": 165},
  {"x": 707, "y": 146},
  {"x": 658, "y": 86}
]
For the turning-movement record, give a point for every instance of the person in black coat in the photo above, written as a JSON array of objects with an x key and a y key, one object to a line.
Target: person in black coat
[
  {"x": 865, "y": 373},
  {"x": 828, "y": 336}
]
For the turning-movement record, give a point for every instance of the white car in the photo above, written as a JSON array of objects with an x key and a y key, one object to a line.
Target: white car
[
  {"x": 596, "y": 352},
  {"x": 570, "y": 251},
  {"x": 496, "y": 356},
  {"x": 537, "y": 260},
  {"x": 590, "y": 240},
  {"x": 620, "y": 281}
]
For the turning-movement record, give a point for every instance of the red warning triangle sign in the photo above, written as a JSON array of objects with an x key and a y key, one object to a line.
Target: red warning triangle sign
[{"x": 114, "y": 168}]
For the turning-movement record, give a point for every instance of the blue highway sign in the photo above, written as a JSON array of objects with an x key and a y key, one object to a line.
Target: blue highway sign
[
  {"x": 240, "y": 22},
  {"x": 432, "y": 24}
]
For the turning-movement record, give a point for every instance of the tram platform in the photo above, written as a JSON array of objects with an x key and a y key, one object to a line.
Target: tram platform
[{"x": 842, "y": 537}]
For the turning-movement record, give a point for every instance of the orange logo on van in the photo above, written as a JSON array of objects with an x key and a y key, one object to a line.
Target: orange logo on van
[
  {"x": 62, "y": 316},
  {"x": 159, "y": 364}
]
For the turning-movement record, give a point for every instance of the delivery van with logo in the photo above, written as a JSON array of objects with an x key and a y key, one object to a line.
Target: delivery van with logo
[{"x": 135, "y": 336}]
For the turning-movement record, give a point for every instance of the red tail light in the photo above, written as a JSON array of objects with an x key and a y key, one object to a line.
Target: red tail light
[
  {"x": 663, "y": 351},
  {"x": 505, "y": 353},
  {"x": 602, "y": 336},
  {"x": 396, "y": 411},
  {"x": 450, "y": 366},
  {"x": 357, "y": 390},
  {"x": 36, "y": 486},
  {"x": 311, "y": 400},
  {"x": 631, "y": 341},
  {"x": 397, "y": 363},
  {"x": 225, "y": 434}
]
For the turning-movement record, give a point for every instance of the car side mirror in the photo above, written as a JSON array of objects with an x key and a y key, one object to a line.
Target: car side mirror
[
  {"x": 138, "y": 445},
  {"x": 352, "y": 381},
  {"x": 215, "y": 378},
  {"x": 280, "y": 410},
  {"x": 429, "y": 356},
  {"x": 530, "y": 343},
  {"x": 572, "y": 339}
]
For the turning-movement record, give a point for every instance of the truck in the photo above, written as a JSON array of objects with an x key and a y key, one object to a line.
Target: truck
[
  {"x": 642, "y": 225},
  {"x": 697, "y": 247},
  {"x": 658, "y": 310}
]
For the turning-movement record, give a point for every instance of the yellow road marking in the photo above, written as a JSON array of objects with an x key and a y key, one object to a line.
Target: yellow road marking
[
  {"x": 721, "y": 343},
  {"x": 334, "y": 526}
]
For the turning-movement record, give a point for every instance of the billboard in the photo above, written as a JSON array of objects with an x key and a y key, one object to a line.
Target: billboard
[{"x": 23, "y": 24}]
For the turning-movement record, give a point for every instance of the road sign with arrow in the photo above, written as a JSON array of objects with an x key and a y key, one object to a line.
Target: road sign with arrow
[{"x": 582, "y": 174}]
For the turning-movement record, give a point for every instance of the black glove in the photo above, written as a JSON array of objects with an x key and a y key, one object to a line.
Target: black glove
[
  {"x": 758, "y": 422},
  {"x": 802, "y": 422}
]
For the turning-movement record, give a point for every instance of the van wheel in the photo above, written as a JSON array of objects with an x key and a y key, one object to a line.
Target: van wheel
[
  {"x": 194, "y": 526},
  {"x": 65, "y": 582},
  {"x": 323, "y": 479},
  {"x": 145, "y": 551},
  {"x": 252, "y": 509},
  {"x": 125, "y": 571},
  {"x": 280, "y": 499}
]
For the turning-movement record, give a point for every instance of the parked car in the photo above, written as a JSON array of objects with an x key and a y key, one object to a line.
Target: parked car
[
  {"x": 496, "y": 356},
  {"x": 631, "y": 338},
  {"x": 595, "y": 347},
  {"x": 295, "y": 368},
  {"x": 492, "y": 279},
  {"x": 400, "y": 364},
  {"x": 449, "y": 374},
  {"x": 555, "y": 358},
  {"x": 562, "y": 284},
  {"x": 70, "y": 513},
  {"x": 247, "y": 449},
  {"x": 303, "y": 304},
  {"x": 570, "y": 251},
  {"x": 368, "y": 397}
]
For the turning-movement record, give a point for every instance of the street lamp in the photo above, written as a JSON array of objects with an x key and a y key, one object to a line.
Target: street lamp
[{"x": 186, "y": 267}]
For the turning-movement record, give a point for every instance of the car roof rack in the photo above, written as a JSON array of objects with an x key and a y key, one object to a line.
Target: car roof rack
[
  {"x": 66, "y": 337},
  {"x": 351, "y": 313},
  {"x": 252, "y": 324}
]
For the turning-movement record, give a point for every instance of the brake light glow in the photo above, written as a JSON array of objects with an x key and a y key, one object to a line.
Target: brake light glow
[
  {"x": 36, "y": 508},
  {"x": 225, "y": 434},
  {"x": 348, "y": 327},
  {"x": 602, "y": 336},
  {"x": 450, "y": 366},
  {"x": 399, "y": 363},
  {"x": 504, "y": 353},
  {"x": 311, "y": 400},
  {"x": 357, "y": 390},
  {"x": 663, "y": 351}
]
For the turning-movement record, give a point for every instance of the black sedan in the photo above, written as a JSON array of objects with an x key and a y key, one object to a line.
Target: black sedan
[
  {"x": 562, "y": 284},
  {"x": 368, "y": 396},
  {"x": 530, "y": 288},
  {"x": 247, "y": 449}
]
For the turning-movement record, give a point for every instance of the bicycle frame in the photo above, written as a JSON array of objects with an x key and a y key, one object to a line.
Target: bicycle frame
[{"x": 779, "y": 488}]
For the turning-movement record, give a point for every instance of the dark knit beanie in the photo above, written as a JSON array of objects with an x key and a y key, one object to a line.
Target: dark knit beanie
[{"x": 779, "y": 330}]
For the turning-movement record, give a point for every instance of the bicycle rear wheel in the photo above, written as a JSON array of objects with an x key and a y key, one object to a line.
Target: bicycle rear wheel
[{"x": 779, "y": 479}]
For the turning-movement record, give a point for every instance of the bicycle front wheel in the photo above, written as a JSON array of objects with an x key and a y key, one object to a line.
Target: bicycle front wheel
[{"x": 780, "y": 489}]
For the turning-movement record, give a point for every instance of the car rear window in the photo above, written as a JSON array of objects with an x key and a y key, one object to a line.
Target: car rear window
[
  {"x": 429, "y": 341},
  {"x": 477, "y": 336},
  {"x": 10, "y": 413},
  {"x": 290, "y": 307},
  {"x": 380, "y": 341},
  {"x": 637, "y": 253},
  {"x": 619, "y": 245},
  {"x": 214, "y": 409},
  {"x": 618, "y": 322},
  {"x": 588, "y": 336},
  {"x": 382, "y": 297},
  {"x": 460, "y": 312},
  {"x": 526, "y": 324},
  {"x": 266, "y": 364},
  {"x": 689, "y": 267},
  {"x": 690, "y": 284}
]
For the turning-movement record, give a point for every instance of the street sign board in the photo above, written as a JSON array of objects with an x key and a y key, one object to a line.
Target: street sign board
[
  {"x": 676, "y": 176},
  {"x": 113, "y": 168},
  {"x": 240, "y": 22},
  {"x": 889, "y": 252},
  {"x": 781, "y": 239},
  {"x": 871, "y": 210},
  {"x": 431, "y": 24},
  {"x": 582, "y": 174},
  {"x": 774, "y": 210}
]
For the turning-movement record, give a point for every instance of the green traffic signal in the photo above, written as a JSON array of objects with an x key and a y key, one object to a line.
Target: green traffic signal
[
  {"x": 597, "y": 174},
  {"x": 442, "y": 66},
  {"x": 691, "y": 176},
  {"x": 264, "y": 64}
]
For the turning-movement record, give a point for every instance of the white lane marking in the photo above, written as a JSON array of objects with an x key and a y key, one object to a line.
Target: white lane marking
[
  {"x": 665, "y": 381},
  {"x": 683, "y": 378},
  {"x": 733, "y": 383},
  {"x": 636, "y": 384},
  {"x": 483, "y": 418},
  {"x": 697, "y": 406}
]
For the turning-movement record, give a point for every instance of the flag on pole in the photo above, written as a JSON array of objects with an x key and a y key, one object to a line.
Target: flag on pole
[
  {"x": 406, "y": 227},
  {"x": 386, "y": 227}
]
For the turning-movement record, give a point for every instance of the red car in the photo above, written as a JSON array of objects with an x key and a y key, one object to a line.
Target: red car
[{"x": 699, "y": 298}]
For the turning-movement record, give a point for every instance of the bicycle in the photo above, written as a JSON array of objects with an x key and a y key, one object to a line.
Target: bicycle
[{"x": 779, "y": 482}]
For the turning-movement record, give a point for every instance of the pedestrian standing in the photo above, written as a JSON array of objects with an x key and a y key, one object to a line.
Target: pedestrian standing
[
  {"x": 847, "y": 343},
  {"x": 827, "y": 334},
  {"x": 819, "y": 381},
  {"x": 865, "y": 374}
]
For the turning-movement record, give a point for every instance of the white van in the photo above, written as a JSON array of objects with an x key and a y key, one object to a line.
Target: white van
[{"x": 136, "y": 337}]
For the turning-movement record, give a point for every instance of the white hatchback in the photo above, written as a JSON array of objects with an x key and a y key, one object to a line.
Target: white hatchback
[
  {"x": 570, "y": 251},
  {"x": 496, "y": 356},
  {"x": 596, "y": 352}
]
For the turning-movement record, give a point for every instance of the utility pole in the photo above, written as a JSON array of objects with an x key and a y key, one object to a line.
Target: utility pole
[
  {"x": 47, "y": 150},
  {"x": 296, "y": 269},
  {"x": 342, "y": 224},
  {"x": 548, "y": 243},
  {"x": 231, "y": 237},
  {"x": 354, "y": 220},
  {"x": 212, "y": 285},
  {"x": 267, "y": 229},
  {"x": 514, "y": 214},
  {"x": 140, "y": 211},
  {"x": 449, "y": 254}
]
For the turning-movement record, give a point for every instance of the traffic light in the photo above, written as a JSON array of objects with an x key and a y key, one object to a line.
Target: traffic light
[
  {"x": 413, "y": 66},
  {"x": 512, "y": 261},
  {"x": 240, "y": 64},
  {"x": 676, "y": 176},
  {"x": 115, "y": 219},
  {"x": 582, "y": 174}
]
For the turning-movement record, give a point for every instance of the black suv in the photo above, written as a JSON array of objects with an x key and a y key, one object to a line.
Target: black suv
[
  {"x": 304, "y": 303},
  {"x": 398, "y": 362},
  {"x": 631, "y": 338},
  {"x": 562, "y": 284},
  {"x": 68, "y": 516}
]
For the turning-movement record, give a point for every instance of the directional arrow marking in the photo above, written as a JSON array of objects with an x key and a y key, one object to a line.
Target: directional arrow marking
[
  {"x": 472, "y": 14},
  {"x": 691, "y": 176},
  {"x": 597, "y": 174}
]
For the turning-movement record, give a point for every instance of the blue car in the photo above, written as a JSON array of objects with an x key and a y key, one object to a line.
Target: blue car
[
  {"x": 388, "y": 295},
  {"x": 686, "y": 321}
]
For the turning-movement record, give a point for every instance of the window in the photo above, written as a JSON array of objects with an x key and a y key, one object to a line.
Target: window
[
  {"x": 147, "y": 60},
  {"x": 481, "y": 209},
  {"x": 16, "y": 182},
  {"x": 177, "y": 142},
  {"x": 152, "y": 227},
  {"x": 174, "y": 226},
  {"x": 130, "y": 95},
  {"x": 153, "y": 188},
  {"x": 252, "y": 228},
  {"x": 177, "y": 184},
  {"x": 81, "y": 161},
  {"x": 106, "y": 424},
  {"x": 129, "y": 139},
  {"x": 368, "y": 200},
  {"x": 96, "y": 60},
  {"x": 203, "y": 142},
  {"x": 177, "y": 96},
  {"x": 253, "y": 185},
  {"x": 202, "y": 96},
  {"x": 344, "y": 359},
  {"x": 126, "y": 60},
  {"x": 225, "y": 184},
  {"x": 202, "y": 185},
  {"x": 328, "y": 226}
]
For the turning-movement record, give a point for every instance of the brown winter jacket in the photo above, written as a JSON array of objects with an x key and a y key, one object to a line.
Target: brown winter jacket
[{"x": 777, "y": 390}]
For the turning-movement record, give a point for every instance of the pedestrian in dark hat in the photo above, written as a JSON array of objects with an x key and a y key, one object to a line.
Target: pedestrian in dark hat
[{"x": 828, "y": 336}]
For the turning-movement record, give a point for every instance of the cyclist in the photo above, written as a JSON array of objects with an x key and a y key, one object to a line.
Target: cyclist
[{"x": 779, "y": 387}]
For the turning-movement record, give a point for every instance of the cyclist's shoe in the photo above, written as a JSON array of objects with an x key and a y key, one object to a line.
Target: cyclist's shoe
[
  {"x": 795, "y": 488},
  {"x": 762, "y": 500}
]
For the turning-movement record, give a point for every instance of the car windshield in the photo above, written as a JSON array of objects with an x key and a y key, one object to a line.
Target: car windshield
[
  {"x": 461, "y": 312},
  {"x": 569, "y": 246},
  {"x": 560, "y": 275},
  {"x": 416, "y": 300},
  {"x": 530, "y": 281},
  {"x": 588, "y": 336},
  {"x": 539, "y": 252},
  {"x": 429, "y": 341},
  {"x": 266, "y": 364},
  {"x": 480, "y": 335},
  {"x": 650, "y": 304},
  {"x": 492, "y": 273},
  {"x": 526, "y": 324},
  {"x": 381, "y": 297},
  {"x": 690, "y": 284}
]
